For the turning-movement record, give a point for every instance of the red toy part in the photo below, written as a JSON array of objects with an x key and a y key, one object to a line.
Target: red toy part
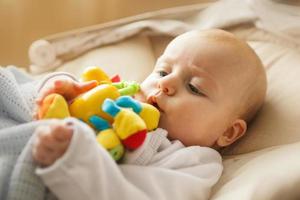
[
  {"x": 135, "y": 140},
  {"x": 115, "y": 78}
]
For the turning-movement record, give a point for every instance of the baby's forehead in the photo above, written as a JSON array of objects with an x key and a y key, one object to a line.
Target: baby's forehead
[
  {"x": 211, "y": 49},
  {"x": 198, "y": 41},
  {"x": 215, "y": 38}
]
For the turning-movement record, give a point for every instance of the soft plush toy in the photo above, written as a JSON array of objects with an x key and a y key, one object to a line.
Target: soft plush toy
[{"x": 120, "y": 120}]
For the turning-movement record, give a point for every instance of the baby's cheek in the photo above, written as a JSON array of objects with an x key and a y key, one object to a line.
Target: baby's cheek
[
  {"x": 140, "y": 97},
  {"x": 171, "y": 126}
]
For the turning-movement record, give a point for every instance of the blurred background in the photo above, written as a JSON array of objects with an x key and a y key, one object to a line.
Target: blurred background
[{"x": 24, "y": 21}]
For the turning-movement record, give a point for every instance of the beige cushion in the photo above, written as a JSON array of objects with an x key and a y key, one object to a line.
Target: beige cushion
[
  {"x": 132, "y": 59},
  {"x": 269, "y": 174}
]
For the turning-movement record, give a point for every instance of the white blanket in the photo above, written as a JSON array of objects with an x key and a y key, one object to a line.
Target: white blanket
[{"x": 17, "y": 177}]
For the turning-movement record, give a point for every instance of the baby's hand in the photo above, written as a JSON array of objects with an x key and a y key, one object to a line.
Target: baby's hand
[
  {"x": 51, "y": 142},
  {"x": 66, "y": 87}
]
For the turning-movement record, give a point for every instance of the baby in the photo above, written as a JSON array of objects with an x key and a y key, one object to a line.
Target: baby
[{"x": 208, "y": 85}]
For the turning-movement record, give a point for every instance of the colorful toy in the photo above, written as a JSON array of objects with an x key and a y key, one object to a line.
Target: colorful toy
[{"x": 120, "y": 120}]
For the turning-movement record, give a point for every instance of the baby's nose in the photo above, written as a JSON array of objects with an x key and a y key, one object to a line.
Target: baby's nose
[
  {"x": 168, "y": 91},
  {"x": 167, "y": 87}
]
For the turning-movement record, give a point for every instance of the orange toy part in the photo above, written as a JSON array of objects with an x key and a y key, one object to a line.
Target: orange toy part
[
  {"x": 54, "y": 106},
  {"x": 47, "y": 102}
]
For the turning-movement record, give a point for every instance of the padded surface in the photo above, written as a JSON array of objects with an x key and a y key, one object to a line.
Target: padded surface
[
  {"x": 269, "y": 174},
  {"x": 132, "y": 59}
]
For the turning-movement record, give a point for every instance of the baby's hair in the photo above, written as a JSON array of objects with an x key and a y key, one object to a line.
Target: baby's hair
[
  {"x": 255, "y": 92},
  {"x": 254, "y": 82}
]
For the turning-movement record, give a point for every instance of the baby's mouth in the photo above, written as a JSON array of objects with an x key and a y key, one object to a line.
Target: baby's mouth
[
  {"x": 157, "y": 106},
  {"x": 153, "y": 101}
]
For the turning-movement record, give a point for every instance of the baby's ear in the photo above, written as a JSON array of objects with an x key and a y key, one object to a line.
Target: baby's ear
[{"x": 233, "y": 133}]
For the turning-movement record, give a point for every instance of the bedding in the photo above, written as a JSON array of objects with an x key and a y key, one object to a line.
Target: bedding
[{"x": 264, "y": 165}]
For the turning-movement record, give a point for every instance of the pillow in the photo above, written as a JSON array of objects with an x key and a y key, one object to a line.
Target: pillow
[
  {"x": 269, "y": 174},
  {"x": 159, "y": 43},
  {"x": 278, "y": 121},
  {"x": 132, "y": 59}
]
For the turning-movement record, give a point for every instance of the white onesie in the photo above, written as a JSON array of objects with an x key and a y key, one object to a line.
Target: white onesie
[{"x": 159, "y": 169}]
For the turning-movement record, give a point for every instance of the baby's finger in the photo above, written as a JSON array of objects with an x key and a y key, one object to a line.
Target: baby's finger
[
  {"x": 40, "y": 152},
  {"x": 43, "y": 157},
  {"x": 65, "y": 88},
  {"x": 42, "y": 96},
  {"x": 45, "y": 140},
  {"x": 35, "y": 115},
  {"x": 62, "y": 132},
  {"x": 38, "y": 101},
  {"x": 61, "y": 84}
]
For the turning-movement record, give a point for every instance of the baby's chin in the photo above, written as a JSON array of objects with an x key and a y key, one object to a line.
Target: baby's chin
[{"x": 163, "y": 124}]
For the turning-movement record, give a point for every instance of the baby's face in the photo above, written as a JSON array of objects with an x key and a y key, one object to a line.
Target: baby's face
[{"x": 191, "y": 85}]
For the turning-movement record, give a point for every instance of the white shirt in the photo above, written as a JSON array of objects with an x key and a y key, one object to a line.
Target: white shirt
[{"x": 159, "y": 169}]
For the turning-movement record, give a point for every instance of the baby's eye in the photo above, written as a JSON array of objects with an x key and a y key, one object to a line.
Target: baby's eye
[
  {"x": 195, "y": 90},
  {"x": 162, "y": 73}
]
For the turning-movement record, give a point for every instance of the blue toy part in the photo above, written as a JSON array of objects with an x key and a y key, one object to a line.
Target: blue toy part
[
  {"x": 99, "y": 123},
  {"x": 129, "y": 102},
  {"x": 110, "y": 107}
]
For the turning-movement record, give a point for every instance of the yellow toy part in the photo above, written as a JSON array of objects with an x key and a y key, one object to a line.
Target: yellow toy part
[
  {"x": 54, "y": 106},
  {"x": 150, "y": 115},
  {"x": 127, "y": 122},
  {"x": 95, "y": 73},
  {"x": 89, "y": 103},
  {"x": 108, "y": 139}
]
